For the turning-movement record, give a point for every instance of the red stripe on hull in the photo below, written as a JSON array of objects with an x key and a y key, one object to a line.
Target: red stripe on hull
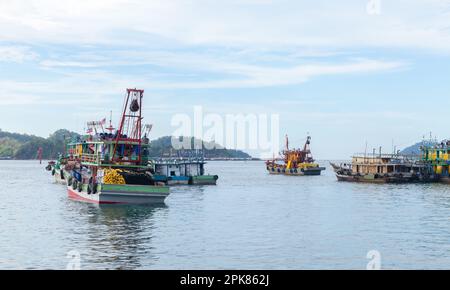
[{"x": 75, "y": 196}]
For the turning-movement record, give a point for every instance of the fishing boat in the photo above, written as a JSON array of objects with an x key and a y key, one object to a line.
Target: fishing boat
[
  {"x": 112, "y": 167},
  {"x": 182, "y": 171},
  {"x": 295, "y": 162},
  {"x": 58, "y": 170},
  {"x": 437, "y": 156},
  {"x": 383, "y": 168}
]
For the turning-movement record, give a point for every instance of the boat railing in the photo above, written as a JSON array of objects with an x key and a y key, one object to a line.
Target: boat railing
[
  {"x": 90, "y": 158},
  {"x": 411, "y": 157},
  {"x": 175, "y": 161}
]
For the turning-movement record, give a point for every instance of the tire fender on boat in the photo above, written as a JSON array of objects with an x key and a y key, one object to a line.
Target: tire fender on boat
[{"x": 91, "y": 186}]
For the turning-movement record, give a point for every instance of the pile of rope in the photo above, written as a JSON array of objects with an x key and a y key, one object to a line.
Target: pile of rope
[
  {"x": 118, "y": 176},
  {"x": 113, "y": 176},
  {"x": 137, "y": 178}
]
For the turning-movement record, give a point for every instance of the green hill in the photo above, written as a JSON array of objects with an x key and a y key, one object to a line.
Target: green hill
[
  {"x": 163, "y": 147},
  {"x": 8, "y": 147},
  {"x": 23, "y": 146}
]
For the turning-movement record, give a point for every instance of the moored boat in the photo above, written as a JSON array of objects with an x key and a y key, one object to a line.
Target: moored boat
[
  {"x": 60, "y": 169},
  {"x": 182, "y": 171},
  {"x": 118, "y": 194},
  {"x": 112, "y": 168},
  {"x": 437, "y": 156},
  {"x": 295, "y": 162},
  {"x": 383, "y": 168}
]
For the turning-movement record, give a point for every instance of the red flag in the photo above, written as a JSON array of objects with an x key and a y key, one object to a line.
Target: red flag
[{"x": 103, "y": 122}]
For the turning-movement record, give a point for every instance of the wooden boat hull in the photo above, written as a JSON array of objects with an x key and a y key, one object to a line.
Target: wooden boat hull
[
  {"x": 312, "y": 171},
  {"x": 187, "y": 180},
  {"x": 380, "y": 180},
  {"x": 121, "y": 194},
  {"x": 445, "y": 180},
  {"x": 177, "y": 182},
  {"x": 204, "y": 180}
]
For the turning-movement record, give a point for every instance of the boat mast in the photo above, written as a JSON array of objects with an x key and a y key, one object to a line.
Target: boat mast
[
  {"x": 130, "y": 128},
  {"x": 110, "y": 128}
]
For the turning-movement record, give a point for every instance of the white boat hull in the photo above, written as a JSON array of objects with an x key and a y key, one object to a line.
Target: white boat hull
[{"x": 129, "y": 195}]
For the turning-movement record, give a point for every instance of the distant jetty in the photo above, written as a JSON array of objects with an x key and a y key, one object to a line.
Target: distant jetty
[{"x": 233, "y": 159}]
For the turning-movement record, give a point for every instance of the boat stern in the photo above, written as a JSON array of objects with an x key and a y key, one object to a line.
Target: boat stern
[
  {"x": 204, "y": 180},
  {"x": 133, "y": 194}
]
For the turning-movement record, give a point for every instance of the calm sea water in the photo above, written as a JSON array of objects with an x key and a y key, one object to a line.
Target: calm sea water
[{"x": 250, "y": 220}]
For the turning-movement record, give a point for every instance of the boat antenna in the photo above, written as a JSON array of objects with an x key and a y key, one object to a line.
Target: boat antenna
[
  {"x": 287, "y": 143},
  {"x": 308, "y": 141},
  {"x": 365, "y": 153},
  {"x": 110, "y": 128}
]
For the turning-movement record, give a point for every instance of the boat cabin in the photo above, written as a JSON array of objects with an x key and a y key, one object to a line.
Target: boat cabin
[
  {"x": 384, "y": 164},
  {"x": 437, "y": 156},
  {"x": 105, "y": 150},
  {"x": 179, "y": 167}
]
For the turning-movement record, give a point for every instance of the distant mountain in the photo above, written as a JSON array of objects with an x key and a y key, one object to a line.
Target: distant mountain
[
  {"x": 415, "y": 149},
  {"x": 163, "y": 147},
  {"x": 23, "y": 146}
]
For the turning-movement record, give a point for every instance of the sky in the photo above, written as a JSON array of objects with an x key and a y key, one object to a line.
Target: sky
[{"x": 347, "y": 72}]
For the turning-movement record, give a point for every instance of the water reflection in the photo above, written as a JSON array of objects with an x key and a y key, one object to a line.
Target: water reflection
[
  {"x": 118, "y": 237},
  {"x": 196, "y": 193},
  {"x": 249, "y": 220}
]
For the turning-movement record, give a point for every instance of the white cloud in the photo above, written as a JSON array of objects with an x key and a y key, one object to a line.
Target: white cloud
[
  {"x": 98, "y": 87},
  {"x": 215, "y": 69},
  {"x": 56, "y": 63},
  {"x": 409, "y": 24},
  {"x": 258, "y": 76},
  {"x": 90, "y": 51},
  {"x": 16, "y": 53}
]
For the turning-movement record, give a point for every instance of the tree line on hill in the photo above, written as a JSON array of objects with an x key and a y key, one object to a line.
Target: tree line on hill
[{"x": 25, "y": 147}]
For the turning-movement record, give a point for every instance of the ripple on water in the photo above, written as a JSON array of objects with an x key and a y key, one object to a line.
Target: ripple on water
[{"x": 249, "y": 220}]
